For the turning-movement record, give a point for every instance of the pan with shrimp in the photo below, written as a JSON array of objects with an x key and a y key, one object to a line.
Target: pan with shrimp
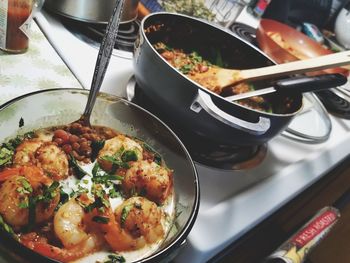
[{"x": 73, "y": 193}]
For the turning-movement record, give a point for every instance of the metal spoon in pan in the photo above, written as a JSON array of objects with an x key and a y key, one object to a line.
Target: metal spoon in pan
[
  {"x": 296, "y": 85},
  {"x": 102, "y": 62}
]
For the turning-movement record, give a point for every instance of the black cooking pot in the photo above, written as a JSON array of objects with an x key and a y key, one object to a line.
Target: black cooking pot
[{"x": 196, "y": 108}]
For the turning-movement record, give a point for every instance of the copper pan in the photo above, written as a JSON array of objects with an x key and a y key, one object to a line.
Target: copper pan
[{"x": 295, "y": 40}]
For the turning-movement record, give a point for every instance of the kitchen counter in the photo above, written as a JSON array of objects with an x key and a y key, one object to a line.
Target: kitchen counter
[{"x": 232, "y": 202}]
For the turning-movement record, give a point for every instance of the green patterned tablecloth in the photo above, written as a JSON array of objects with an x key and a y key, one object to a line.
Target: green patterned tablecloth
[{"x": 37, "y": 69}]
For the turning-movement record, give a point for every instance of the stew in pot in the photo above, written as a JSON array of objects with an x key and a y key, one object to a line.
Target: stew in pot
[{"x": 192, "y": 63}]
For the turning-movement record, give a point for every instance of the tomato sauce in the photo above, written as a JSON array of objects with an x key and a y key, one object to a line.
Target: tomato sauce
[{"x": 17, "y": 14}]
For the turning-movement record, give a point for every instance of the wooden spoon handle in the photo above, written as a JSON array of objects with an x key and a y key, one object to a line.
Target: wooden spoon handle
[{"x": 300, "y": 66}]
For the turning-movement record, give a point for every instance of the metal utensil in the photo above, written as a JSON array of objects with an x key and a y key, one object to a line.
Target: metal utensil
[
  {"x": 102, "y": 62},
  {"x": 296, "y": 85}
]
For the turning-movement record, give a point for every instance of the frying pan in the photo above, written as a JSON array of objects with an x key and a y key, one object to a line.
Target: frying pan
[
  {"x": 62, "y": 106},
  {"x": 195, "y": 108},
  {"x": 295, "y": 40}
]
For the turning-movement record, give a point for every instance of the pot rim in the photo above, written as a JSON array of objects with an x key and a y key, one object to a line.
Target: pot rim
[
  {"x": 181, "y": 235},
  {"x": 129, "y": 14},
  {"x": 224, "y": 30}
]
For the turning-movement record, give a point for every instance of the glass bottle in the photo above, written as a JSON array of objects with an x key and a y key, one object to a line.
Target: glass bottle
[
  {"x": 15, "y": 18},
  {"x": 258, "y": 7}
]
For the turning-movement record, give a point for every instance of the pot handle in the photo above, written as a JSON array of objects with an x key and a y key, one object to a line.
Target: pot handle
[{"x": 204, "y": 101}]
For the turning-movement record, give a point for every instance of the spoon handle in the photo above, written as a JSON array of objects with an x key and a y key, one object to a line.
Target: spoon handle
[
  {"x": 301, "y": 66},
  {"x": 296, "y": 85},
  {"x": 103, "y": 58}
]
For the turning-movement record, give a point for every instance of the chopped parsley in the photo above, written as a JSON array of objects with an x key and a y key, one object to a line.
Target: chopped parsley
[
  {"x": 7, "y": 149},
  {"x": 116, "y": 161},
  {"x": 30, "y": 201},
  {"x": 64, "y": 197},
  {"x": 25, "y": 187},
  {"x": 115, "y": 258},
  {"x": 101, "y": 177},
  {"x": 121, "y": 158},
  {"x": 32, "y": 215},
  {"x": 129, "y": 156},
  {"x": 96, "y": 146},
  {"x": 5, "y": 155},
  {"x": 100, "y": 219},
  {"x": 49, "y": 193},
  {"x": 114, "y": 192},
  {"x": 23, "y": 204},
  {"x": 195, "y": 56},
  {"x": 78, "y": 171},
  {"x": 157, "y": 156},
  {"x": 125, "y": 213},
  {"x": 101, "y": 199},
  {"x": 7, "y": 228},
  {"x": 186, "y": 68}
]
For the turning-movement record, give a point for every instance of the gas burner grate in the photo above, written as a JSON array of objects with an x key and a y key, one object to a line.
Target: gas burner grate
[
  {"x": 245, "y": 32},
  {"x": 127, "y": 34},
  {"x": 202, "y": 150},
  {"x": 335, "y": 104},
  {"x": 93, "y": 33}
]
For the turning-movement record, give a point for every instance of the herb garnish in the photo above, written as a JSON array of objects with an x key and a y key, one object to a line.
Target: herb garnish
[
  {"x": 101, "y": 199},
  {"x": 116, "y": 161},
  {"x": 157, "y": 156},
  {"x": 49, "y": 193},
  {"x": 7, "y": 228},
  {"x": 195, "y": 56},
  {"x": 96, "y": 146},
  {"x": 121, "y": 158},
  {"x": 32, "y": 215},
  {"x": 7, "y": 149},
  {"x": 64, "y": 197},
  {"x": 100, "y": 219},
  {"x": 114, "y": 192},
  {"x": 115, "y": 258},
  {"x": 78, "y": 171},
  {"x": 5, "y": 155},
  {"x": 25, "y": 187},
  {"x": 101, "y": 177},
  {"x": 129, "y": 156},
  {"x": 30, "y": 202},
  {"x": 125, "y": 212},
  {"x": 185, "y": 69}
]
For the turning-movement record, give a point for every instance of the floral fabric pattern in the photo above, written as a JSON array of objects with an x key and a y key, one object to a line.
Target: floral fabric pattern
[{"x": 38, "y": 69}]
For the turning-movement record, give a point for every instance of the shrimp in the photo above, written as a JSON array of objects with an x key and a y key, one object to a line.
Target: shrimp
[
  {"x": 40, "y": 244},
  {"x": 25, "y": 152},
  {"x": 46, "y": 155},
  {"x": 53, "y": 160},
  {"x": 135, "y": 223},
  {"x": 19, "y": 185},
  {"x": 118, "y": 145},
  {"x": 71, "y": 229},
  {"x": 143, "y": 219},
  {"x": 148, "y": 179}
]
